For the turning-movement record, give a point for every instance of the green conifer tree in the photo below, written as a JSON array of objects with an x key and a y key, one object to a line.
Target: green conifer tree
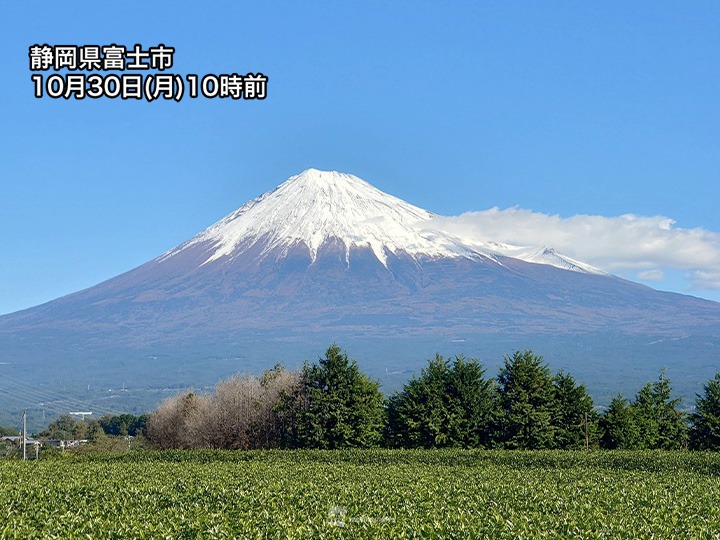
[
  {"x": 447, "y": 405},
  {"x": 618, "y": 426},
  {"x": 574, "y": 417},
  {"x": 526, "y": 401},
  {"x": 660, "y": 424},
  {"x": 705, "y": 431},
  {"x": 339, "y": 406}
]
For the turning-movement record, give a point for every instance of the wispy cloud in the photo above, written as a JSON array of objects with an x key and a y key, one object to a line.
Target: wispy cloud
[
  {"x": 615, "y": 244},
  {"x": 703, "y": 280},
  {"x": 651, "y": 275}
]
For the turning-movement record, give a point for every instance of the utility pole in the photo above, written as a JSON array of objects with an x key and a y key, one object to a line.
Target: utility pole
[
  {"x": 587, "y": 435},
  {"x": 24, "y": 435}
]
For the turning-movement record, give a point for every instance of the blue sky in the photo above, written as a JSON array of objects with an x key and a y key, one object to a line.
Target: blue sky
[{"x": 562, "y": 115}]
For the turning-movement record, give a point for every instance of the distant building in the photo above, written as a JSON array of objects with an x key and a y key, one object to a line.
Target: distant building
[
  {"x": 62, "y": 444},
  {"x": 16, "y": 440},
  {"x": 56, "y": 443}
]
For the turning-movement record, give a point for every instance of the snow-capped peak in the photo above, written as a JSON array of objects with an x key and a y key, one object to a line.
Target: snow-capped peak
[{"x": 317, "y": 206}]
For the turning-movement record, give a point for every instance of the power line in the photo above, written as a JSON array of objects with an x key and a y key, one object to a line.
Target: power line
[
  {"x": 48, "y": 403},
  {"x": 47, "y": 399},
  {"x": 16, "y": 382}
]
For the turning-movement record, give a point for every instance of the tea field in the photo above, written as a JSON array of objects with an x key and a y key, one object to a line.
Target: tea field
[{"x": 363, "y": 494}]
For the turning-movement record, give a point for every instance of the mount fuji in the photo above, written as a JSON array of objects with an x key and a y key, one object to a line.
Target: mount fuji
[{"x": 327, "y": 257}]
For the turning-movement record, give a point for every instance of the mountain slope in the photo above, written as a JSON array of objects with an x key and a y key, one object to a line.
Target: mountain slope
[
  {"x": 326, "y": 246},
  {"x": 326, "y": 256}
]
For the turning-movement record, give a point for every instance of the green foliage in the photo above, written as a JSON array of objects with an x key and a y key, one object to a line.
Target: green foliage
[
  {"x": 332, "y": 404},
  {"x": 124, "y": 424},
  {"x": 340, "y": 406},
  {"x": 448, "y": 405},
  {"x": 447, "y": 493},
  {"x": 8, "y": 431},
  {"x": 64, "y": 428},
  {"x": 618, "y": 425},
  {"x": 705, "y": 431},
  {"x": 96, "y": 432},
  {"x": 573, "y": 415},
  {"x": 652, "y": 421},
  {"x": 526, "y": 403},
  {"x": 659, "y": 422}
]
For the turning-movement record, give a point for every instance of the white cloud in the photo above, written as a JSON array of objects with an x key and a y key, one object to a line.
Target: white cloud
[
  {"x": 704, "y": 280},
  {"x": 614, "y": 244},
  {"x": 651, "y": 275}
]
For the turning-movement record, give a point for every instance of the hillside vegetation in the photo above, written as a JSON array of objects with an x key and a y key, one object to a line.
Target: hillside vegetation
[{"x": 451, "y": 403}]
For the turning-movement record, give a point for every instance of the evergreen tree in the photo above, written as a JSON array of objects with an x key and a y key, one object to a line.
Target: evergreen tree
[
  {"x": 618, "y": 426},
  {"x": 659, "y": 422},
  {"x": 573, "y": 417},
  {"x": 448, "y": 405},
  {"x": 416, "y": 415},
  {"x": 526, "y": 402},
  {"x": 340, "y": 406},
  {"x": 652, "y": 421},
  {"x": 471, "y": 404},
  {"x": 705, "y": 431}
]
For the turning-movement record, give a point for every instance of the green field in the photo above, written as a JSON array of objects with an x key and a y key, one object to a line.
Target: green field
[{"x": 364, "y": 493}]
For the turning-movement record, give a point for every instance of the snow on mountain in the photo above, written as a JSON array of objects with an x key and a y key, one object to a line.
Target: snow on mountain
[
  {"x": 316, "y": 206},
  {"x": 547, "y": 255},
  {"x": 543, "y": 255}
]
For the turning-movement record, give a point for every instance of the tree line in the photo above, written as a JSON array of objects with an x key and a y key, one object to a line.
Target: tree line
[
  {"x": 451, "y": 403},
  {"x": 67, "y": 428}
]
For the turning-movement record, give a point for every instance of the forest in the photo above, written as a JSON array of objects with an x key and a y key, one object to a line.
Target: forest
[
  {"x": 451, "y": 403},
  {"x": 332, "y": 404}
]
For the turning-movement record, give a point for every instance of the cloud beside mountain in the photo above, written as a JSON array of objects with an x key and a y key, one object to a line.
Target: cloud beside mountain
[{"x": 642, "y": 244}]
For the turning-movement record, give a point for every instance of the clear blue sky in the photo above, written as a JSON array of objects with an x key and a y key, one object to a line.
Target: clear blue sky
[{"x": 556, "y": 107}]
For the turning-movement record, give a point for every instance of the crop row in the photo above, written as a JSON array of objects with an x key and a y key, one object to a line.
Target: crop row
[{"x": 400, "y": 494}]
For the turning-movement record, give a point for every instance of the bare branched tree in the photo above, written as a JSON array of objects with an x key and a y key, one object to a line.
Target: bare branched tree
[{"x": 244, "y": 413}]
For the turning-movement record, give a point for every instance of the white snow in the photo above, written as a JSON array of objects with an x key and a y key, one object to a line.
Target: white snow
[
  {"x": 315, "y": 206},
  {"x": 533, "y": 254}
]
